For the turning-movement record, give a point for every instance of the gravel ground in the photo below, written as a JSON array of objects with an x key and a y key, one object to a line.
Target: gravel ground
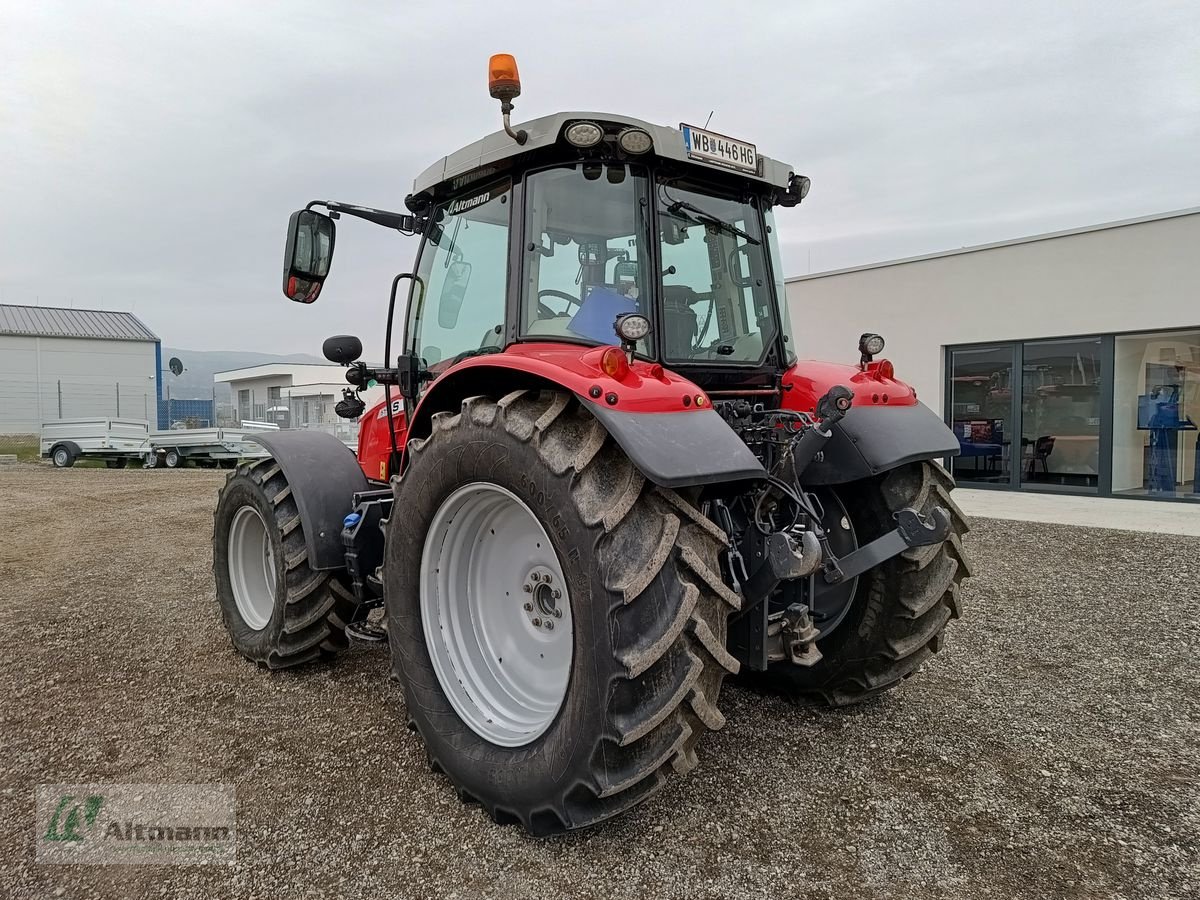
[{"x": 1051, "y": 750}]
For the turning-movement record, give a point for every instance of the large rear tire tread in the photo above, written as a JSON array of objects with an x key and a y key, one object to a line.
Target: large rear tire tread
[
  {"x": 317, "y": 606},
  {"x": 670, "y": 657},
  {"x": 901, "y": 607}
]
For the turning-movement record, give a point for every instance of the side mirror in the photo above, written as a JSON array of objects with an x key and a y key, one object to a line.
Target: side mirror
[
  {"x": 454, "y": 291},
  {"x": 307, "y": 255},
  {"x": 342, "y": 349}
]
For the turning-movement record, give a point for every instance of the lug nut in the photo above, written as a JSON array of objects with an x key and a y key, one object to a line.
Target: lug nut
[
  {"x": 528, "y": 589},
  {"x": 557, "y": 594},
  {"x": 546, "y": 577},
  {"x": 558, "y": 614},
  {"x": 528, "y": 607},
  {"x": 549, "y": 625},
  {"x": 537, "y": 623}
]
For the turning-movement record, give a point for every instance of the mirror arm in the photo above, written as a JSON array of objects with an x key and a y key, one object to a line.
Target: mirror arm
[{"x": 399, "y": 221}]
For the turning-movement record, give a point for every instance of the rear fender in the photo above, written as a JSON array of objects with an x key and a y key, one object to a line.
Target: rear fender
[
  {"x": 663, "y": 422},
  {"x": 875, "y": 439},
  {"x": 323, "y": 476},
  {"x": 886, "y": 427}
]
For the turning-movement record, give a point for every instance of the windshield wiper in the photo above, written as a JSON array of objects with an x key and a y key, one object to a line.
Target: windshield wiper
[{"x": 707, "y": 218}]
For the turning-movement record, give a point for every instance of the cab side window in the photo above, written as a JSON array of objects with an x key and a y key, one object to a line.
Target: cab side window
[{"x": 464, "y": 265}]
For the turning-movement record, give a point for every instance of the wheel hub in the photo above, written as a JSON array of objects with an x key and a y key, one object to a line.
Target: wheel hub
[{"x": 542, "y": 609}]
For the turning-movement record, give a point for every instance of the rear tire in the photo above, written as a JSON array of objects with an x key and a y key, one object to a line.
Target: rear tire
[
  {"x": 900, "y": 608},
  {"x": 647, "y": 609},
  {"x": 118, "y": 463},
  {"x": 173, "y": 459},
  {"x": 277, "y": 610},
  {"x": 62, "y": 457}
]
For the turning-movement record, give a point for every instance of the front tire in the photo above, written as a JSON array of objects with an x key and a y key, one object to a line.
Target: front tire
[
  {"x": 644, "y": 603},
  {"x": 62, "y": 457},
  {"x": 900, "y": 608},
  {"x": 173, "y": 459},
  {"x": 278, "y": 611}
]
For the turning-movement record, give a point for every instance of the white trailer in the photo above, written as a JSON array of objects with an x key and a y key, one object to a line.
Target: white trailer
[{"x": 117, "y": 441}]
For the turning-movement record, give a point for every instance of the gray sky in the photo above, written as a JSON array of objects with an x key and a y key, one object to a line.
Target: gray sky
[{"x": 152, "y": 152}]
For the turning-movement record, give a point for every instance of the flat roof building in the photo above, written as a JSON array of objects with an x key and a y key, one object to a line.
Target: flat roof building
[{"x": 1064, "y": 362}]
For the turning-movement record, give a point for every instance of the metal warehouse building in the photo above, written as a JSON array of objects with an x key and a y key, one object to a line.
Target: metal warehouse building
[
  {"x": 75, "y": 363},
  {"x": 1065, "y": 362}
]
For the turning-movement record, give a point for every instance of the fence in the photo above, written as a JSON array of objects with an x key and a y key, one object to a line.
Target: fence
[{"x": 25, "y": 403}]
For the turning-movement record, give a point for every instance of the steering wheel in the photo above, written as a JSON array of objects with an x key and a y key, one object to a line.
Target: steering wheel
[{"x": 545, "y": 312}]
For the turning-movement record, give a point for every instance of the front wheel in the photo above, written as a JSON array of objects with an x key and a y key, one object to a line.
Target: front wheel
[
  {"x": 558, "y": 622},
  {"x": 173, "y": 459},
  {"x": 62, "y": 458},
  {"x": 278, "y": 611},
  {"x": 899, "y": 609}
]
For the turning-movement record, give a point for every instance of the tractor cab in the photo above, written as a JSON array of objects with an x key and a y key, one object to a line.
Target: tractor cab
[{"x": 588, "y": 229}]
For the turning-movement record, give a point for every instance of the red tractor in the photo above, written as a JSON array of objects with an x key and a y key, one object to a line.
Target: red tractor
[{"x": 601, "y": 481}]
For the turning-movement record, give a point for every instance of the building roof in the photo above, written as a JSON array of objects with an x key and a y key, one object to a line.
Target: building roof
[
  {"x": 51, "y": 321},
  {"x": 1050, "y": 235},
  {"x": 311, "y": 371}
]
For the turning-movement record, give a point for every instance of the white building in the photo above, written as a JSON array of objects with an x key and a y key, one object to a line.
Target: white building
[
  {"x": 1101, "y": 323},
  {"x": 75, "y": 363},
  {"x": 293, "y": 395}
]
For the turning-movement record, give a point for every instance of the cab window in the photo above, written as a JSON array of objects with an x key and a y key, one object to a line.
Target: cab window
[
  {"x": 464, "y": 265},
  {"x": 584, "y": 259},
  {"x": 717, "y": 296}
]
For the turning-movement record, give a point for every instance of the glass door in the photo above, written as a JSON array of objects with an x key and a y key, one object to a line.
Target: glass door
[
  {"x": 1061, "y": 414},
  {"x": 981, "y": 412}
]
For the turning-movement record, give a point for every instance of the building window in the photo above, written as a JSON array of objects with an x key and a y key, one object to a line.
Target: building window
[
  {"x": 1111, "y": 414},
  {"x": 244, "y": 406},
  {"x": 1156, "y": 408}
]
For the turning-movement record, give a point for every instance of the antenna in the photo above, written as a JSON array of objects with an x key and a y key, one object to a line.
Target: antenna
[{"x": 709, "y": 119}]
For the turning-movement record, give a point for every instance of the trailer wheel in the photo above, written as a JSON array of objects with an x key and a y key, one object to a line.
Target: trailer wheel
[
  {"x": 900, "y": 608},
  {"x": 118, "y": 463},
  {"x": 277, "y": 610},
  {"x": 62, "y": 457},
  {"x": 557, "y": 621},
  {"x": 173, "y": 459}
]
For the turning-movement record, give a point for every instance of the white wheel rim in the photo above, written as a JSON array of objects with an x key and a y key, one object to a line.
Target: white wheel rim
[
  {"x": 500, "y": 641},
  {"x": 252, "y": 568}
]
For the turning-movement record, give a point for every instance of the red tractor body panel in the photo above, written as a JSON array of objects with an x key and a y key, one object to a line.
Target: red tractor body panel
[
  {"x": 637, "y": 387},
  {"x": 374, "y": 442},
  {"x": 644, "y": 387},
  {"x": 876, "y": 385}
]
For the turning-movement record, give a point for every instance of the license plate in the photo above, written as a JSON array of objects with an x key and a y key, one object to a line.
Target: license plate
[{"x": 719, "y": 150}]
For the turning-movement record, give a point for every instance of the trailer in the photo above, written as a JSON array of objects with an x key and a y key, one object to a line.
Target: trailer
[
  {"x": 205, "y": 446},
  {"x": 118, "y": 441}
]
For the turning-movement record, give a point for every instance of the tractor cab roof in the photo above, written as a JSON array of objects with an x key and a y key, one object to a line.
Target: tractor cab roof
[{"x": 499, "y": 153}]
